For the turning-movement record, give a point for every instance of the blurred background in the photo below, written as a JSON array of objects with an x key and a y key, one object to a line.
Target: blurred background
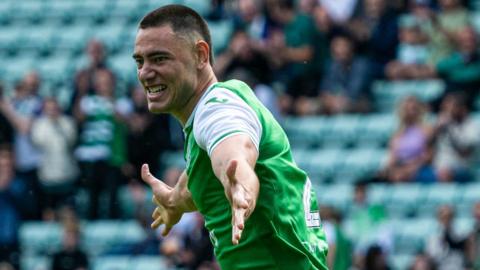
[{"x": 379, "y": 99}]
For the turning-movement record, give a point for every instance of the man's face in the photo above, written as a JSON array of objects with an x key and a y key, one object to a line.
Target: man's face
[{"x": 166, "y": 68}]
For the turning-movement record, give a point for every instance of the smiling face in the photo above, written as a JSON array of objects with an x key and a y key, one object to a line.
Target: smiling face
[{"x": 166, "y": 68}]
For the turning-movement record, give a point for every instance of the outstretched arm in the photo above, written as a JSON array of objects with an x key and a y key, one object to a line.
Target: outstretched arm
[
  {"x": 171, "y": 202},
  {"x": 233, "y": 162}
]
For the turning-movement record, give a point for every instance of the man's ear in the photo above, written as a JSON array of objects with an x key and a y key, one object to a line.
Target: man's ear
[{"x": 203, "y": 53}]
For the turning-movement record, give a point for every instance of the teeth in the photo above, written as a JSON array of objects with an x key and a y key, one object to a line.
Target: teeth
[{"x": 156, "y": 89}]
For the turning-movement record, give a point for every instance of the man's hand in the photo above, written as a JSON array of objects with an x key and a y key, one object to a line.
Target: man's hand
[
  {"x": 167, "y": 211},
  {"x": 241, "y": 199}
]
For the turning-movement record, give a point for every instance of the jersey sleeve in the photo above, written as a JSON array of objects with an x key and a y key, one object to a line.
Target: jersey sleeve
[{"x": 221, "y": 114}]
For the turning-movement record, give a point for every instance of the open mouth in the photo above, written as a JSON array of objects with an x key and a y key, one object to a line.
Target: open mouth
[{"x": 156, "y": 89}]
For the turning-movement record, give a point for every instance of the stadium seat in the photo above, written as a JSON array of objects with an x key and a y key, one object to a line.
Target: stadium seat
[
  {"x": 468, "y": 196},
  {"x": 475, "y": 18},
  {"x": 341, "y": 131},
  {"x": 22, "y": 65},
  {"x": 126, "y": 9},
  {"x": 40, "y": 237},
  {"x": 38, "y": 38},
  {"x": 220, "y": 33},
  {"x": 463, "y": 226},
  {"x": 110, "y": 35},
  {"x": 62, "y": 11},
  {"x": 338, "y": 196},
  {"x": 200, "y": 6},
  {"x": 404, "y": 199},
  {"x": 412, "y": 234},
  {"x": 73, "y": 38},
  {"x": 388, "y": 93},
  {"x": 148, "y": 263},
  {"x": 5, "y": 12},
  {"x": 28, "y": 11},
  {"x": 153, "y": 4},
  {"x": 124, "y": 68},
  {"x": 112, "y": 263},
  {"x": 305, "y": 132},
  {"x": 437, "y": 195},
  {"x": 323, "y": 164},
  {"x": 375, "y": 130},
  {"x": 401, "y": 261},
  {"x": 100, "y": 236},
  {"x": 32, "y": 262},
  {"x": 379, "y": 193},
  {"x": 9, "y": 39},
  {"x": 173, "y": 159},
  {"x": 360, "y": 163},
  {"x": 55, "y": 69}
]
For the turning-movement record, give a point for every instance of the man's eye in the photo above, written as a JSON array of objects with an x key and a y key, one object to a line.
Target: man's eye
[
  {"x": 139, "y": 62},
  {"x": 159, "y": 59}
]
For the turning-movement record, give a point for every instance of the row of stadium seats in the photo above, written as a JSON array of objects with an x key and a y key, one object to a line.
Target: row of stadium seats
[
  {"x": 70, "y": 39},
  {"x": 40, "y": 238},
  {"x": 35, "y": 12},
  {"x": 340, "y": 131},
  {"x": 409, "y": 235},
  {"x": 340, "y": 165},
  {"x": 103, "y": 263},
  {"x": 405, "y": 200}
]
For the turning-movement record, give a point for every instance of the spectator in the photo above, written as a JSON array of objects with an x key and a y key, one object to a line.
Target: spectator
[
  {"x": 242, "y": 61},
  {"x": 54, "y": 133},
  {"x": 446, "y": 248},
  {"x": 412, "y": 53},
  {"x": 345, "y": 84},
  {"x": 21, "y": 110},
  {"x": 376, "y": 33},
  {"x": 99, "y": 158},
  {"x": 367, "y": 225},
  {"x": 83, "y": 82},
  {"x": 461, "y": 70},
  {"x": 339, "y": 11},
  {"x": 441, "y": 27},
  {"x": 422, "y": 262},
  {"x": 191, "y": 248},
  {"x": 70, "y": 257},
  {"x": 375, "y": 259},
  {"x": 339, "y": 247},
  {"x": 242, "y": 55},
  {"x": 251, "y": 19},
  {"x": 410, "y": 152},
  {"x": 457, "y": 140},
  {"x": 473, "y": 252},
  {"x": 292, "y": 51},
  {"x": 13, "y": 204},
  {"x": 144, "y": 129},
  {"x": 6, "y": 128}
]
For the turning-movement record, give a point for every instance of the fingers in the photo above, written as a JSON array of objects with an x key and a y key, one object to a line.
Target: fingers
[
  {"x": 238, "y": 225},
  {"x": 157, "y": 222},
  {"x": 239, "y": 213},
  {"x": 166, "y": 230}
]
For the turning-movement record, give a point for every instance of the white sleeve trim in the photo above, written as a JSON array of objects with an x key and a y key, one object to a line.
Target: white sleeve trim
[{"x": 221, "y": 114}]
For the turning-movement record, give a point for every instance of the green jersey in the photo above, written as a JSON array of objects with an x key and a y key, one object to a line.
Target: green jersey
[{"x": 284, "y": 230}]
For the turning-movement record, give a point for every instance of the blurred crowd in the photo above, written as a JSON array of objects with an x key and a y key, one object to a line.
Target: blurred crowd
[{"x": 305, "y": 57}]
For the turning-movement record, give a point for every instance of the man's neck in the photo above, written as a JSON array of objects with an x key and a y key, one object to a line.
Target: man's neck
[{"x": 202, "y": 86}]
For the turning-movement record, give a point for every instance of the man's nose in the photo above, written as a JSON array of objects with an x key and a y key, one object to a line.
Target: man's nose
[{"x": 145, "y": 73}]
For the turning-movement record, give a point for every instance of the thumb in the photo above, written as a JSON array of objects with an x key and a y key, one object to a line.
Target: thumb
[
  {"x": 231, "y": 170},
  {"x": 148, "y": 178}
]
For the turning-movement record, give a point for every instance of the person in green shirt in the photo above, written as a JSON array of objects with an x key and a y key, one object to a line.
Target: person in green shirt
[{"x": 259, "y": 207}]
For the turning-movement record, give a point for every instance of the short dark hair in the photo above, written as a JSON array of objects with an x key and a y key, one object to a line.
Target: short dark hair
[{"x": 182, "y": 19}]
